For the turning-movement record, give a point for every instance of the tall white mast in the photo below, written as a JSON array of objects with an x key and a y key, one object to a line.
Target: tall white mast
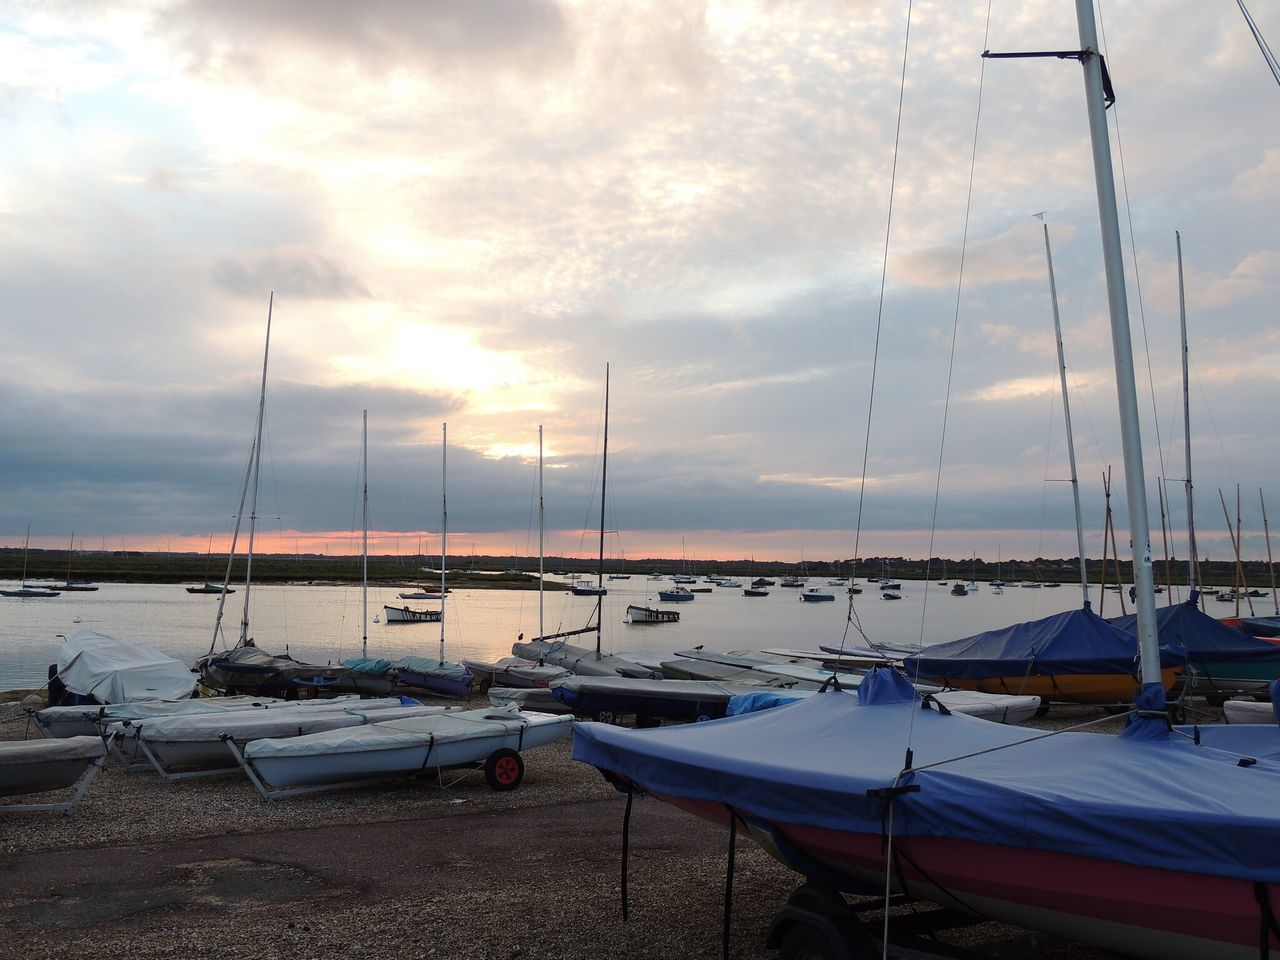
[
  {"x": 1066, "y": 412},
  {"x": 1186, "y": 424},
  {"x": 604, "y": 476},
  {"x": 541, "y": 533},
  {"x": 1122, "y": 347},
  {"x": 364, "y": 543},
  {"x": 257, "y": 464},
  {"x": 444, "y": 522}
]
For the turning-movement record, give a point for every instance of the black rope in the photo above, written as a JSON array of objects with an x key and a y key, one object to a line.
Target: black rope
[
  {"x": 728, "y": 880},
  {"x": 1267, "y": 919},
  {"x": 626, "y": 854}
]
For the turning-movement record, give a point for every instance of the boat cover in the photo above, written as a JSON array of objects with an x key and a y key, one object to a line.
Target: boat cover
[
  {"x": 1257, "y": 740},
  {"x": 396, "y": 734},
  {"x": 579, "y": 660},
  {"x": 255, "y": 725},
  {"x": 1002, "y": 707},
  {"x": 1184, "y": 628},
  {"x": 1262, "y": 626},
  {"x": 375, "y": 666},
  {"x": 1075, "y": 642},
  {"x": 527, "y": 698},
  {"x": 1150, "y": 801},
  {"x": 15, "y": 752},
  {"x": 506, "y": 669},
  {"x": 428, "y": 667},
  {"x": 95, "y": 665}
]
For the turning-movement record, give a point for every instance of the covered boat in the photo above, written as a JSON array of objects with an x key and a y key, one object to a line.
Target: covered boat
[
  {"x": 252, "y": 671},
  {"x": 438, "y": 676},
  {"x": 579, "y": 660},
  {"x": 400, "y": 748},
  {"x": 41, "y": 766},
  {"x": 1219, "y": 660},
  {"x": 1143, "y": 843},
  {"x": 84, "y": 720},
  {"x": 100, "y": 669},
  {"x": 1071, "y": 657},
  {"x": 512, "y": 672}
]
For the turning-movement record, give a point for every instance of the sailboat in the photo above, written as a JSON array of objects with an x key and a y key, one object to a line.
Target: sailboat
[
  {"x": 552, "y": 649},
  {"x": 25, "y": 591},
  {"x": 407, "y": 614},
  {"x": 437, "y": 674},
  {"x": 245, "y": 668},
  {"x": 207, "y": 586},
  {"x": 1150, "y": 843},
  {"x": 70, "y": 585}
]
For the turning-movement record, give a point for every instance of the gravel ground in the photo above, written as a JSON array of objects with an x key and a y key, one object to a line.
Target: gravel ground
[{"x": 205, "y": 867}]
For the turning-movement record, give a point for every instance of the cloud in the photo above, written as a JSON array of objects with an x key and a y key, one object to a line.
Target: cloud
[
  {"x": 379, "y": 37},
  {"x": 292, "y": 270},
  {"x": 1015, "y": 255}
]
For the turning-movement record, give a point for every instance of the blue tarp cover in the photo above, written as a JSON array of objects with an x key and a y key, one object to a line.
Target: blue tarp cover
[
  {"x": 1078, "y": 641},
  {"x": 1262, "y": 626},
  {"x": 1187, "y": 630},
  {"x": 1161, "y": 803}
]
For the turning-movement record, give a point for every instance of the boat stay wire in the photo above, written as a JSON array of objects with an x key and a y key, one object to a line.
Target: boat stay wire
[
  {"x": 955, "y": 327},
  {"x": 1272, "y": 64}
]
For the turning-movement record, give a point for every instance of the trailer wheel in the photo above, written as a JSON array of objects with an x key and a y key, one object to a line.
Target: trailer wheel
[
  {"x": 504, "y": 769},
  {"x": 485, "y": 684},
  {"x": 604, "y": 716}
]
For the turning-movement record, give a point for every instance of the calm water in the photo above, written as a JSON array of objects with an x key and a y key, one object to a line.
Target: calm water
[{"x": 322, "y": 623}]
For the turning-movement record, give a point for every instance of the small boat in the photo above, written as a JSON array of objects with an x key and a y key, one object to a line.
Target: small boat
[
  {"x": 958, "y": 590},
  {"x": 683, "y": 578},
  {"x": 854, "y": 590},
  {"x": 890, "y": 595},
  {"x": 730, "y": 584},
  {"x": 605, "y": 698},
  {"x": 1071, "y": 657},
  {"x": 677, "y": 594},
  {"x": 791, "y": 582},
  {"x": 89, "y": 720},
  {"x": 73, "y": 587},
  {"x": 27, "y": 592},
  {"x": 516, "y": 672},
  {"x": 890, "y": 585},
  {"x": 762, "y": 582},
  {"x": 95, "y": 668},
  {"x": 755, "y": 592},
  {"x": 578, "y": 660},
  {"x": 1250, "y": 712},
  {"x": 583, "y": 589},
  {"x": 619, "y": 576},
  {"x": 438, "y": 676},
  {"x": 638, "y": 614},
  {"x": 213, "y": 588},
  {"x": 816, "y": 595},
  {"x": 492, "y": 738},
  {"x": 40, "y": 766},
  {"x": 409, "y": 615},
  {"x": 421, "y": 594}
]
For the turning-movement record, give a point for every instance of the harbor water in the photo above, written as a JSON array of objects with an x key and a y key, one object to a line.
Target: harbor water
[{"x": 321, "y": 624}]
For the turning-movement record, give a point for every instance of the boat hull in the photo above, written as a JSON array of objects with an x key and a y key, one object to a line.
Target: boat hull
[
  {"x": 652, "y": 615},
  {"x": 1139, "y": 911},
  {"x": 409, "y": 615},
  {"x": 1061, "y": 687}
]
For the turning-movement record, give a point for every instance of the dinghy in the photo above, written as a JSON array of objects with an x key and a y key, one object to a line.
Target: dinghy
[
  {"x": 100, "y": 669},
  {"x": 84, "y": 720},
  {"x": 493, "y": 737},
  {"x": 512, "y": 672},
  {"x": 41, "y": 766}
]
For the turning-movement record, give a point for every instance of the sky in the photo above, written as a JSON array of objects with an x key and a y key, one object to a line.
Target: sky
[{"x": 465, "y": 209}]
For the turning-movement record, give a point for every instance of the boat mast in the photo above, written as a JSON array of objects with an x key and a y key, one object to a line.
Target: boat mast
[
  {"x": 1271, "y": 568},
  {"x": 364, "y": 543},
  {"x": 1066, "y": 412},
  {"x": 541, "y": 534},
  {"x": 1186, "y": 426},
  {"x": 444, "y": 522},
  {"x": 1122, "y": 347},
  {"x": 250, "y": 471},
  {"x": 604, "y": 476}
]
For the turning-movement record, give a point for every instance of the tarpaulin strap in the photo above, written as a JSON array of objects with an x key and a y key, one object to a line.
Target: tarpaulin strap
[
  {"x": 1267, "y": 919},
  {"x": 728, "y": 879},
  {"x": 626, "y": 854}
]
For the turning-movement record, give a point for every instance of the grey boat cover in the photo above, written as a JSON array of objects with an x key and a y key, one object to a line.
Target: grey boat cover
[
  {"x": 95, "y": 665},
  {"x": 429, "y": 667},
  {"x": 507, "y": 669},
  {"x": 55, "y": 718},
  {"x": 396, "y": 734},
  {"x": 255, "y": 725},
  {"x": 528, "y": 698},
  {"x": 16, "y": 752},
  {"x": 579, "y": 660}
]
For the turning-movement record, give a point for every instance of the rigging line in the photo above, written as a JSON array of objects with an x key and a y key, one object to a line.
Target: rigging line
[
  {"x": 875, "y": 353},
  {"x": 884, "y": 272},
  {"x": 1272, "y": 64},
  {"x": 955, "y": 327},
  {"x": 1133, "y": 253}
]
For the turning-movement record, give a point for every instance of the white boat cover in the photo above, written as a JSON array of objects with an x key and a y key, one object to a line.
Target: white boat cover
[
  {"x": 1250, "y": 711},
  {"x": 507, "y": 668},
  {"x": 95, "y": 665},
  {"x": 16, "y": 752},
  {"x": 257, "y": 725},
  {"x": 396, "y": 734}
]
